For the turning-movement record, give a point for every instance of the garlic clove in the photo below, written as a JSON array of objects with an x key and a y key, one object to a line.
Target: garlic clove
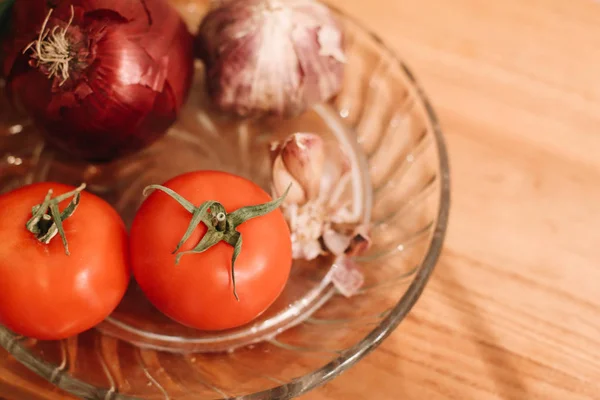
[
  {"x": 319, "y": 210},
  {"x": 303, "y": 155},
  {"x": 347, "y": 238},
  {"x": 347, "y": 276},
  {"x": 282, "y": 179},
  {"x": 336, "y": 242}
]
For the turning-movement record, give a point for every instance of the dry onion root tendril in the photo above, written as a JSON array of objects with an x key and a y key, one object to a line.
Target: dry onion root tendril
[{"x": 52, "y": 49}]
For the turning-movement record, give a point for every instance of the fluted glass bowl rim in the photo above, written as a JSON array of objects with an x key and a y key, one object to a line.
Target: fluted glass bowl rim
[{"x": 349, "y": 357}]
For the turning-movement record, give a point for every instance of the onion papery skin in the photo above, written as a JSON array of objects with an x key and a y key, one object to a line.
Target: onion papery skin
[{"x": 131, "y": 72}]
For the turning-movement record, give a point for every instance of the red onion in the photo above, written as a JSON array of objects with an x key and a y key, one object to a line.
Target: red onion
[{"x": 101, "y": 78}]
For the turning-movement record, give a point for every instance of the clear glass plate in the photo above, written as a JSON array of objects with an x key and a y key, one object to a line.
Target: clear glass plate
[{"x": 312, "y": 333}]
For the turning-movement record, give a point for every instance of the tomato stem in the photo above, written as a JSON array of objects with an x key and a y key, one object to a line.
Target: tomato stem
[
  {"x": 220, "y": 225},
  {"x": 221, "y": 222},
  {"x": 47, "y": 220}
]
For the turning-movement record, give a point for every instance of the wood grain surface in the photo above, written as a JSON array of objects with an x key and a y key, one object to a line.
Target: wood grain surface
[{"x": 513, "y": 309}]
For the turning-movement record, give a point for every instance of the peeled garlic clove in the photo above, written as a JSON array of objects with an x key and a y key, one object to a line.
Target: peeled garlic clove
[
  {"x": 271, "y": 56},
  {"x": 282, "y": 179},
  {"x": 303, "y": 155}
]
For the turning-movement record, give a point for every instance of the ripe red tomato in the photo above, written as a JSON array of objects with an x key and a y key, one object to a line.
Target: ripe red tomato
[
  {"x": 45, "y": 293},
  {"x": 198, "y": 291}
]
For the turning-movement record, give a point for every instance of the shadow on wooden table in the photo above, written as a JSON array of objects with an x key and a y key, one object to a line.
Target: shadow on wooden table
[{"x": 500, "y": 365}]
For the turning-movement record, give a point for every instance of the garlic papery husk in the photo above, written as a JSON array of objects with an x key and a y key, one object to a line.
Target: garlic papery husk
[
  {"x": 347, "y": 276},
  {"x": 306, "y": 227},
  {"x": 274, "y": 57},
  {"x": 324, "y": 220}
]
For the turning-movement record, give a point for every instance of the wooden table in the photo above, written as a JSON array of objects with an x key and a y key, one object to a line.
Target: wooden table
[{"x": 513, "y": 309}]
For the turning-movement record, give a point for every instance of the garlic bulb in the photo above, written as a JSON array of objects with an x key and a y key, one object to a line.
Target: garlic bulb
[
  {"x": 274, "y": 57},
  {"x": 321, "y": 220}
]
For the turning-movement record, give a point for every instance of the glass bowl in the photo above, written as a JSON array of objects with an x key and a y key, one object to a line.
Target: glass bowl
[{"x": 382, "y": 121}]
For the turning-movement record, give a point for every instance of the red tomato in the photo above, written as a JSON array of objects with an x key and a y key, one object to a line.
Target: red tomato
[
  {"x": 198, "y": 292},
  {"x": 46, "y": 294}
]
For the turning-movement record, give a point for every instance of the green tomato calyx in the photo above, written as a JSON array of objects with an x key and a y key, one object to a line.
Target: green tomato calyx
[{"x": 47, "y": 220}]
